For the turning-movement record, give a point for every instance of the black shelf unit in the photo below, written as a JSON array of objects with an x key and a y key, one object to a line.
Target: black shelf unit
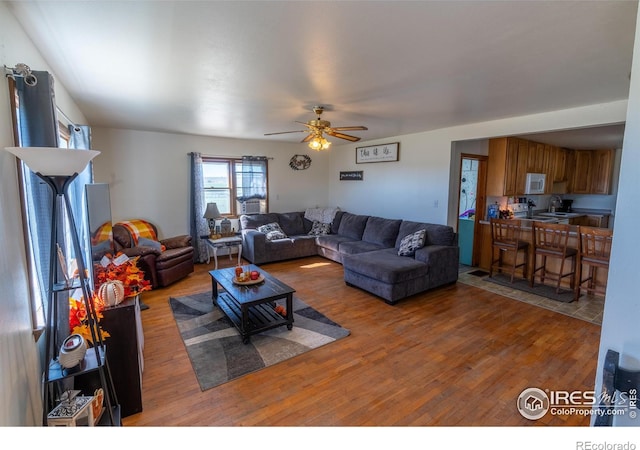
[{"x": 56, "y": 379}]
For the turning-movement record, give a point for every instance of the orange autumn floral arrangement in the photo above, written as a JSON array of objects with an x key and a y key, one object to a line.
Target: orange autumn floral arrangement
[
  {"x": 127, "y": 272},
  {"x": 79, "y": 320}
]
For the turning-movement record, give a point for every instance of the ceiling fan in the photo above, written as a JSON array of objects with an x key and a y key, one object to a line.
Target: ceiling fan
[{"x": 316, "y": 127}]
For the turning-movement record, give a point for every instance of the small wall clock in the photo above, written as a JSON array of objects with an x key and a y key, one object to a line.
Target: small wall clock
[{"x": 300, "y": 162}]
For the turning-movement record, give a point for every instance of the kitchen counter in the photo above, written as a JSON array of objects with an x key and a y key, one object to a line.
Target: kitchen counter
[{"x": 560, "y": 217}]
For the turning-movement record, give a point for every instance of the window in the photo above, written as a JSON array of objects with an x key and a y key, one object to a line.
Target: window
[{"x": 229, "y": 182}]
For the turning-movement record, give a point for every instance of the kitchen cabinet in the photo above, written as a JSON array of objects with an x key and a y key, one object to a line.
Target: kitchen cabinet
[
  {"x": 567, "y": 170},
  {"x": 485, "y": 246},
  {"x": 601, "y": 171},
  {"x": 522, "y": 165},
  {"x": 536, "y": 158},
  {"x": 559, "y": 166},
  {"x": 591, "y": 171},
  {"x": 502, "y": 167},
  {"x": 581, "y": 168},
  {"x": 592, "y": 220}
]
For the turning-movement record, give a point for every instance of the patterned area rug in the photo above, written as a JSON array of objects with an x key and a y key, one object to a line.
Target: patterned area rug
[{"x": 216, "y": 349}]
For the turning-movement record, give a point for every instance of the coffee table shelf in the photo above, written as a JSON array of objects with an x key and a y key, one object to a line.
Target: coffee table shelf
[
  {"x": 261, "y": 317},
  {"x": 252, "y": 308}
]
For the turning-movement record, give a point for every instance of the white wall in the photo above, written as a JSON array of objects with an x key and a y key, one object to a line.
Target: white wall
[
  {"x": 622, "y": 308},
  {"x": 148, "y": 174},
  {"x": 19, "y": 366},
  {"x": 417, "y": 186}
]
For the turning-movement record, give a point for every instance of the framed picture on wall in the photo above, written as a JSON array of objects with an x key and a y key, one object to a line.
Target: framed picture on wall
[{"x": 377, "y": 153}]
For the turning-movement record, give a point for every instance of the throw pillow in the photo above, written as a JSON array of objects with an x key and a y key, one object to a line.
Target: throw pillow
[
  {"x": 319, "y": 229},
  {"x": 412, "y": 242},
  {"x": 273, "y": 235},
  {"x": 272, "y": 230},
  {"x": 144, "y": 242}
]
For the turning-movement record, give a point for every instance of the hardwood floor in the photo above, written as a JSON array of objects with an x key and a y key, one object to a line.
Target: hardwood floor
[{"x": 456, "y": 356}]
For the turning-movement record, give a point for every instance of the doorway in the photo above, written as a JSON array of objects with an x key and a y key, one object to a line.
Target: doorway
[{"x": 471, "y": 205}]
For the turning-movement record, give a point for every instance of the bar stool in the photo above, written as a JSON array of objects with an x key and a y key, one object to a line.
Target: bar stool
[
  {"x": 594, "y": 251},
  {"x": 551, "y": 240},
  {"x": 505, "y": 238}
]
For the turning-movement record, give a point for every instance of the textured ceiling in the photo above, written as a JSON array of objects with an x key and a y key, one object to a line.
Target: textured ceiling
[{"x": 245, "y": 68}]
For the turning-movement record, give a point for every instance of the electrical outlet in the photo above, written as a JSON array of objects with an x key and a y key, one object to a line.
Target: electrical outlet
[{"x": 435, "y": 203}]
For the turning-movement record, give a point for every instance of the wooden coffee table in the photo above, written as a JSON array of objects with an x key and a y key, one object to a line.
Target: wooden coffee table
[{"x": 251, "y": 308}]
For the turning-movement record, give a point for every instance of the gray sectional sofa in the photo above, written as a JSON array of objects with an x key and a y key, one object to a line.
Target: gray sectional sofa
[{"x": 366, "y": 246}]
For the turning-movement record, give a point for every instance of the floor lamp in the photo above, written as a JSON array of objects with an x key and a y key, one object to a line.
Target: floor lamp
[{"x": 58, "y": 167}]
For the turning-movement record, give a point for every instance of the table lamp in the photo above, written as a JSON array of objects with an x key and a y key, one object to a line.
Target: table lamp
[
  {"x": 58, "y": 167},
  {"x": 211, "y": 214}
]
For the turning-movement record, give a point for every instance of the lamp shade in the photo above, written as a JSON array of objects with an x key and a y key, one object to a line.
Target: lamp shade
[
  {"x": 212, "y": 211},
  {"x": 53, "y": 161}
]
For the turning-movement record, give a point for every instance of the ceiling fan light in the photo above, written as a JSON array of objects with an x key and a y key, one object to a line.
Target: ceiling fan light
[
  {"x": 319, "y": 143},
  {"x": 315, "y": 143}
]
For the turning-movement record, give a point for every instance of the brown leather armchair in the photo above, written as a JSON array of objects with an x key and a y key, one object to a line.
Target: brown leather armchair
[{"x": 161, "y": 267}]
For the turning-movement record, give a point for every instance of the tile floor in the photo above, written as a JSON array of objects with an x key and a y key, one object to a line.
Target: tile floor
[{"x": 589, "y": 308}]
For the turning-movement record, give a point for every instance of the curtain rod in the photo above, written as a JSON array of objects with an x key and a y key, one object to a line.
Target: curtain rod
[
  {"x": 229, "y": 157},
  {"x": 71, "y": 122}
]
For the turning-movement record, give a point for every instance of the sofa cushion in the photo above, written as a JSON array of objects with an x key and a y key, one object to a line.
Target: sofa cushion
[
  {"x": 381, "y": 231},
  {"x": 332, "y": 241},
  {"x": 291, "y": 223},
  {"x": 412, "y": 242},
  {"x": 253, "y": 221},
  {"x": 352, "y": 225},
  {"x": 335, "y": 225},
  {"x": 436, "y": 234},
  {"x": 319, "y": 229},
  {"x": 353, "y": 247},
  {"x": 385, "y": 265}
]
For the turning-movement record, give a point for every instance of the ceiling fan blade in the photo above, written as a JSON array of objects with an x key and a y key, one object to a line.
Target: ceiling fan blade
[
  {"x": 343, "y": 136},
  {"x": 305, "y": 124},
  {"x": 308, "y": 138},
  {"x": 284, "y": 132},
  {"x": 349, "y": 128}
]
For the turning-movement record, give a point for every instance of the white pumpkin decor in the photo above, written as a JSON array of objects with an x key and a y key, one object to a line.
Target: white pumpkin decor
[{"x": 111, "y": 292}]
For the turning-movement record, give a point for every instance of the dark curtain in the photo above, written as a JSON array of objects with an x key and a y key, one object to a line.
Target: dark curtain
[
  {"x": 38, "y": 127},
  {"x": 198, "y": 224}
]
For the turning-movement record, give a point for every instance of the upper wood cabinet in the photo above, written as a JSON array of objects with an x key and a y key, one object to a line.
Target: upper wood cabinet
[
  {"x": 601, "y": 171},
  {"x": 578, "y": 171},
  {"x": 503, "y": 167},
  {"x": 591, "y": 171},
  {"x": 581, "y": 172},
  {"x": 559, "y": 166}
]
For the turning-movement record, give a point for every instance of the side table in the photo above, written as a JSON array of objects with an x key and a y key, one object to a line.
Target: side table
[
  {"x": 225, "y": 242},
  {"x": 67, "y": 414}
]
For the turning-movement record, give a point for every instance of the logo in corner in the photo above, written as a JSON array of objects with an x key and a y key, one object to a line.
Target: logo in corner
[{"x": 533, "y": 403}]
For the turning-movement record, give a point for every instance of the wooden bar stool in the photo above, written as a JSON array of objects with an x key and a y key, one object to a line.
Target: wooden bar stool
[
  {"x": 594, "y": 251},
  {"x": 551, "y": 240},
  {"x": 505, "y": 238}
]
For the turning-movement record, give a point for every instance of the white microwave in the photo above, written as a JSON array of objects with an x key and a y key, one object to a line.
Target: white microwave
[{"x": 535, "y": 183}]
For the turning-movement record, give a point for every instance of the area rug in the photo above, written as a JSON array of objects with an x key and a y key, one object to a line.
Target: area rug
[
  {"x": 565, "y": 295},
  {"x": 215, "y": 347}
]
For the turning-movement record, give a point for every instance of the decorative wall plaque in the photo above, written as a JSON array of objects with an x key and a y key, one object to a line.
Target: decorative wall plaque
[{"x": 377, "y": 153}]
